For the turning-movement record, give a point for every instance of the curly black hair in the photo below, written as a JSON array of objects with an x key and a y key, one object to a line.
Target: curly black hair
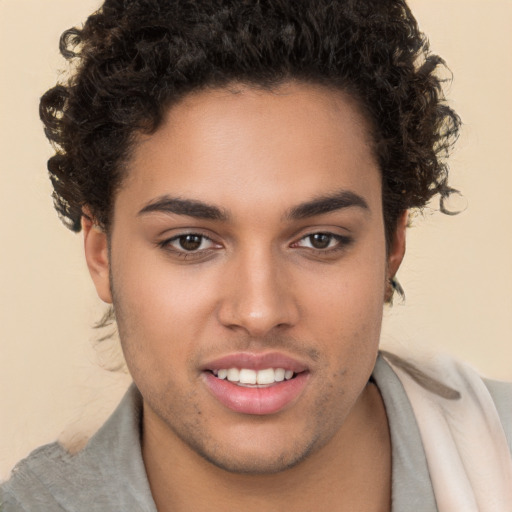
[{"x": 133, "y": 59}]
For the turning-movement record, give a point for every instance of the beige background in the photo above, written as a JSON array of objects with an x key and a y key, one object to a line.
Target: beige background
[{"x": 457, "y": 273}]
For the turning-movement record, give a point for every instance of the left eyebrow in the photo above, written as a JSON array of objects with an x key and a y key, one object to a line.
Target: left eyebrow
[
  {"x": 188, "y": 207},
  {"x": 326, "y": 204}
]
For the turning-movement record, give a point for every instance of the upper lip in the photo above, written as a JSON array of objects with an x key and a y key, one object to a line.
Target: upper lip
[{"x": 255, "y": 361}]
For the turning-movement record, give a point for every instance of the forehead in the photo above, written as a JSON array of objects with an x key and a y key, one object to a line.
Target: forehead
[{"x": 253, "y": 148}]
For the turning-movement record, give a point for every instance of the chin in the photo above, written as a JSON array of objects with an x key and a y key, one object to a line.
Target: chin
[
  {"x": 257, "y": 464},
  {"x": 259, "y": 446}
]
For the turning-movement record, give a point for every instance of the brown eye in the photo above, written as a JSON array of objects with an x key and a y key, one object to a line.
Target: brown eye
[
  {"x": 324, "y": 242},
  {"x": 320, "y": 240},
  {"x": 190, "y": 246},
  {"x": 190, "y": 242}
]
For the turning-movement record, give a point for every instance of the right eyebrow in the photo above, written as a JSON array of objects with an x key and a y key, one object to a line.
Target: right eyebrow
[
  {"x": 325, "y": 204},
  {"x": 188, "y": 207}
]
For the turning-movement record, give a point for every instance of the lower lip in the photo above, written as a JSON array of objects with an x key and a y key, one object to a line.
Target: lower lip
[{"x": 249, "y": 400}]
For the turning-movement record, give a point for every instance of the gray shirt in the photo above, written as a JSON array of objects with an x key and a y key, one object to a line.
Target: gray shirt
[{"x": 109, "y": 475}]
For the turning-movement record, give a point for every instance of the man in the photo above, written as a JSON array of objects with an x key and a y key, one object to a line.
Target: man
[{"x": 242, "y": 173}]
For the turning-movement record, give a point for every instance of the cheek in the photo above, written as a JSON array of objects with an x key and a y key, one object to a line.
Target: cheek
[
  {"x": 160, "y": 310},
  {"x": 349, "y": 299},
  {"x": 345, "y": 314}
]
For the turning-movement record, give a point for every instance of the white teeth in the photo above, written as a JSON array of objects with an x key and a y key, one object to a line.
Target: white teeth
[
  {"x": 248, "y": 376},
  {"x": 266, "y": 376},
  {"x": 233, "y": 375},
  {"x": 279, "y": 374}
]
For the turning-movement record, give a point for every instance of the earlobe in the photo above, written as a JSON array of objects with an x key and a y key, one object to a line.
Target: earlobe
[
  {"x": 397, "y": 248},
  {"x": 396, "y": 253},
  {"x": 96, "y": 255}
]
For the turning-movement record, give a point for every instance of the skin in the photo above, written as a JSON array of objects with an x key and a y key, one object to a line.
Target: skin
[{"x": 256, "y": 284}]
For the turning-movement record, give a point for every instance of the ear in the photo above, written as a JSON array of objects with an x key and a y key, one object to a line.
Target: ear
[
  {"x": 397, "y": 246},
  {"x": 96, "y": 255}
]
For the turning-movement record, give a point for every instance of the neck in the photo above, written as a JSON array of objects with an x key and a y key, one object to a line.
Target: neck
[{"x": 351, "y": 472}]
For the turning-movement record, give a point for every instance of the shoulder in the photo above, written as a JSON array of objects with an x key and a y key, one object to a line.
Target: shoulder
[
  {"x": 25, "y": 490},
  {"x": 501, "y": 393},
  {"x": 457, "y": 389},
  {"x": 107, "y": 474},
  {"x": 464, "y": 424},
  {"x": 54, "y": 480}
]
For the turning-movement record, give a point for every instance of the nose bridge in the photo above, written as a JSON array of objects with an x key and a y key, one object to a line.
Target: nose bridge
[{"x": 257, "y": 297}]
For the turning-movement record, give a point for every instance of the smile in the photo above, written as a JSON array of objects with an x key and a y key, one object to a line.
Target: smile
[
  {"x": 256, "y": 378},
  {"x": 256, "y": 384}
]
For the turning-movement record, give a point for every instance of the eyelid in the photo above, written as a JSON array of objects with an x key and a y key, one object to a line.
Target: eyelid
[
  {"x": 204, "y": 239},
  {"x": 166, "y": 244},
  {"x": 343, "y": 242},
  {"x": 333, "y": 236}
]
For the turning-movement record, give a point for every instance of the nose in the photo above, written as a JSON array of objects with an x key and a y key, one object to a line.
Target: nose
[{"x": 257, "y": 295}]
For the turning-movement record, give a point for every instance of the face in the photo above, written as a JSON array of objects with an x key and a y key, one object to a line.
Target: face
[{"x": 248, "y": 268}]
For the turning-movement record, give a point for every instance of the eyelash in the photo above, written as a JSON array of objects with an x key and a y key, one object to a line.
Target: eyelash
[
  {"x": 342, "y": 244},
  {"x": 183, "y": 253}
]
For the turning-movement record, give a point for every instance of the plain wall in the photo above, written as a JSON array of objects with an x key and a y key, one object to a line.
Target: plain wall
[{"x": 457, "y": 273}]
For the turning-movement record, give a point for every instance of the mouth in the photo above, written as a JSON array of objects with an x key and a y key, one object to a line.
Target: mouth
[
  {"x": 246, "y": 377},
  {"x": 254, "y": 383}
]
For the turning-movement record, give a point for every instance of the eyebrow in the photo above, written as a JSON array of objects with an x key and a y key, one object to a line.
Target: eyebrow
[
  {"x": 201, "y": 210},
  {"x": 188, "y": 207},
  {"x": 326, "y": 204}
]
